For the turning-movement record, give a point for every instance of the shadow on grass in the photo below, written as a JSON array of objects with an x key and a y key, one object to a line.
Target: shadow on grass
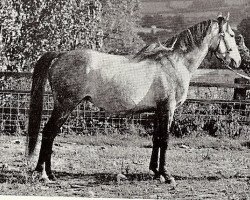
[
  {"x": 12, "y": 177},
  {"x": 246, "y": 144},
  {"x": 99, "y": 178},
  {"x": 102, "y": 178}
]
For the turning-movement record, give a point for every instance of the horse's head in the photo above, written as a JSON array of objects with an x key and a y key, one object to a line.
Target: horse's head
[{"x": 223, "y": 42}]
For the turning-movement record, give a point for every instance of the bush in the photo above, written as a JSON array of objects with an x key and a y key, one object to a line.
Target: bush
[
  {"x": 244, "y": 29},
  {"x": 212, "y": 119},
  {"x": 30, "y": 28}
]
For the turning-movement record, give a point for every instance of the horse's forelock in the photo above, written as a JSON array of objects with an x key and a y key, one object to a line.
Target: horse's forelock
[{"x": 221, "y": 21}]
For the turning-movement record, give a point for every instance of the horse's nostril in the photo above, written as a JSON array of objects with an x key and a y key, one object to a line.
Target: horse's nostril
[{"x": 233, "y": 64}]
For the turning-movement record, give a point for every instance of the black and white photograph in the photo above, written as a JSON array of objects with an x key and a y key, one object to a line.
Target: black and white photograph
[{"x": 125, "y": 99}]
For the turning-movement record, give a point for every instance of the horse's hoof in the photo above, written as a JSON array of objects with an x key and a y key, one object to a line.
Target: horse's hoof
[
  {"x": 162, "y": 179},
  {"x": 45, "y": 180},
  {"x": 155, "y": 174},
  {"x": 52, "y": 177},
  {"x": 151, "y": 173},
  {"x": 172, "y": 182},
  {"x": 168, "y": 179}
]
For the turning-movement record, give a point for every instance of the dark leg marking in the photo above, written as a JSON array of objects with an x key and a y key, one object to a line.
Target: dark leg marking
[{"x": 51, "y": 129}]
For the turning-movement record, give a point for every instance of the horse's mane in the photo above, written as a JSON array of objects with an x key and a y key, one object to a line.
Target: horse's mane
[{"x": 186, "y": 41}]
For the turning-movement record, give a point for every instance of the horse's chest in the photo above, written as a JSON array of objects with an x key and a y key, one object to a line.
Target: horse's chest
[
  {"x": 182, "y": 88},
  {"x": 176, "y": 82}
]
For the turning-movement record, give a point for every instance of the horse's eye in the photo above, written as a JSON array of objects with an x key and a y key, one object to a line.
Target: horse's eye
[
  {"x": 232, "y": 35},
  {"x": 222, "y": 34}
]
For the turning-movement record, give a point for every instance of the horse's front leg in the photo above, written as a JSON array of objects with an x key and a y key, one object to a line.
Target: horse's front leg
[
  {"x": 153, "y": 166},
  {"x": 167, "y": 114}
]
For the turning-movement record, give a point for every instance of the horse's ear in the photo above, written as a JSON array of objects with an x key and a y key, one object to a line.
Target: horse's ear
[
  {"x": 228, "y": 15},
  {"x": 219, "y": 15}
]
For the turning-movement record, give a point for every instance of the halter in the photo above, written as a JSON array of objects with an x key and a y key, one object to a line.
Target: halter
[
  {"x": 221, "y": 38},
  {"x": 228, "y": 49}
]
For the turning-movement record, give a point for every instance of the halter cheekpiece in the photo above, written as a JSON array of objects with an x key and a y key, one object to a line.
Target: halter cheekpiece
[{"x": 221, "y": 21}]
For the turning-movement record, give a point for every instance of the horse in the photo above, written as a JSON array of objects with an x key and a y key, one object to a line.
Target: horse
[{"x": 157, "y": 77}]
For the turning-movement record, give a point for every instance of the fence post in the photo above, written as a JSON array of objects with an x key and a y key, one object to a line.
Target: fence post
[{"x": 240, "y": 93}]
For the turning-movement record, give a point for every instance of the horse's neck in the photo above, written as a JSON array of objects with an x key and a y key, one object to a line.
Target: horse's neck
[{"x": 194, "y": 58}]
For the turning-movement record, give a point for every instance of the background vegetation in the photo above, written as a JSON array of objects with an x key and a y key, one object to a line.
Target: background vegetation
[{"x": 30, "y": 28}]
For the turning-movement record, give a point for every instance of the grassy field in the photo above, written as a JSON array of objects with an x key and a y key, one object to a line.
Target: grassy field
[{"x": 87, "y": 166}]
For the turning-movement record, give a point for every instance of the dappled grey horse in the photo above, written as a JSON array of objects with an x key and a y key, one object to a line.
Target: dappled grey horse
[{"x": 157, "y": 77}]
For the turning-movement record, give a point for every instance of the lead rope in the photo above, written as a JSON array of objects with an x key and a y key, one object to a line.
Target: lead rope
[{"x": 242, "y": 75}]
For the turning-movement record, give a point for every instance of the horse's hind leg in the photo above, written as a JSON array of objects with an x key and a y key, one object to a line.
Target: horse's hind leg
[
  {"x": 51, "y": 129},
  {"x": 165, "y": 125}
]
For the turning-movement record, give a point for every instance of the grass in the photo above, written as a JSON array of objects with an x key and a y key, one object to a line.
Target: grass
[{"x": 87, "y": 166}]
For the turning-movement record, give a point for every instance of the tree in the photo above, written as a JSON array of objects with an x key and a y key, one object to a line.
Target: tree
[
  {"x": 30, "y": 28},
  {"x": 10, "y": 33},
  {"x": 120, "y": 19},
  {"x": 244, "y": 53},
  {"x": 244, "y": 29}
]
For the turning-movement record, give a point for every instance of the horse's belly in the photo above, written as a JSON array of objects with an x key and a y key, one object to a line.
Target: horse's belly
[{"x": 121, "y": 97}]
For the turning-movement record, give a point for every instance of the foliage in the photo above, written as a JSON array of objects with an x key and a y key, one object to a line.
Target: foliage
[
  {"x": 38, "y": 26},
  {"x": 213, "y": 119},
  {"x": 120, "y": 18},
  {"x": 244, "y": 53},
  {"x": 30, "y": 28},
  {"x": 244, "y": 29},
  {"x": 10, "y": 34}
]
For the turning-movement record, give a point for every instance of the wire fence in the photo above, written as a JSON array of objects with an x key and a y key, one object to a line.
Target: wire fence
[
  {"x": 14, "y": 108},
  {"x": 196, "y": 112}
]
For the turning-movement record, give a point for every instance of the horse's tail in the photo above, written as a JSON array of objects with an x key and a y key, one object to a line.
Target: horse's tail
[{"x": 39, "y": 79}]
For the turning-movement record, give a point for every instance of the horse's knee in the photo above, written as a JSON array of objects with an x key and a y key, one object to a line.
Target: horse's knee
[
  {"x": 155, "y": 140},
  {"x": 164, "y": 142},
  {"x": 161, "y": 142}
]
